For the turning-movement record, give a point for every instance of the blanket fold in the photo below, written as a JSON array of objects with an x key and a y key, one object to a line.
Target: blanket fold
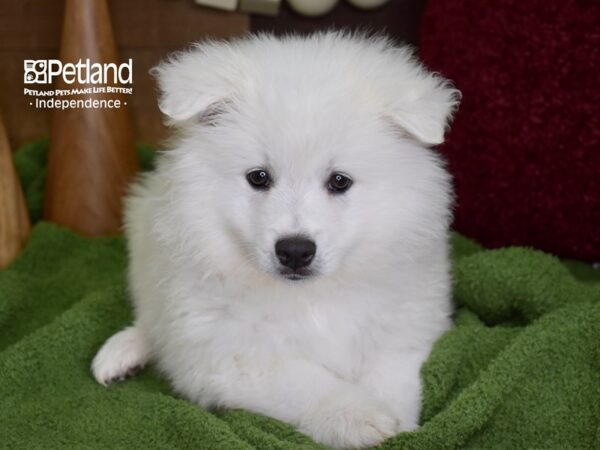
[{"x": 520, "y": 369}]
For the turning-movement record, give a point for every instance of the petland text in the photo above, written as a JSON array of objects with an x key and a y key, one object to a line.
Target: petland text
[{"x": 44, "y": 71}]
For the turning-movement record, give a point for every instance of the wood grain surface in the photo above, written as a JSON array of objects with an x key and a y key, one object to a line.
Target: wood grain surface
[
  {"x": 145, "y": 30},
  {"x": 92, "y": 155},
  {"x": 14, "y": 219}
]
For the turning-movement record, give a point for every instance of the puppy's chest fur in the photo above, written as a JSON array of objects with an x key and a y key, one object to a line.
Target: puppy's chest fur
[{"x": 335, "y": 328}]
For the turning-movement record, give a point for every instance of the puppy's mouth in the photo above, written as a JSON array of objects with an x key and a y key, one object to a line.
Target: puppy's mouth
[{"x": 296, "y": 275}]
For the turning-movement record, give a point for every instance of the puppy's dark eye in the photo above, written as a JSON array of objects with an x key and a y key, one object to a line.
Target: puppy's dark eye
[
  {"x": 259, "y": 179},
  {"x": 338, "y": 183}
]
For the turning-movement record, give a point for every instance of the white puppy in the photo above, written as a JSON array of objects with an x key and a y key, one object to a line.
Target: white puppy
[{"x": 289, "y": 254}]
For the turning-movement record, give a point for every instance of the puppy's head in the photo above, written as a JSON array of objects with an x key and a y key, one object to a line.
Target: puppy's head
[{"x": 304, "y": 157}]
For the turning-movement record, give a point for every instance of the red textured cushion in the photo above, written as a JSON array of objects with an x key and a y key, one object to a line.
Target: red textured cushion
[{"x": 525, "y": 144}]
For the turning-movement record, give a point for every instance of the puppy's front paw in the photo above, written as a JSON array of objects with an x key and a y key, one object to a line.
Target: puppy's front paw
[
  {"x": 350, "y": 419},
  {"x": 122, "y": 356}
]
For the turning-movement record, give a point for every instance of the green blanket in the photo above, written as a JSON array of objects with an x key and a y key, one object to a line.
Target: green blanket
[{"x": 521, "y": 368}]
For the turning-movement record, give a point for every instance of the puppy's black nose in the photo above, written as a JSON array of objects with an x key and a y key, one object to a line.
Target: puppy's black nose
[{"x": 295, "y": 252}]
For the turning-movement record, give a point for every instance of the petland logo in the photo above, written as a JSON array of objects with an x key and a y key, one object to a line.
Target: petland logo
[
  {"x": 81, "y": 85},
  {"x": 44, "y": 71}
]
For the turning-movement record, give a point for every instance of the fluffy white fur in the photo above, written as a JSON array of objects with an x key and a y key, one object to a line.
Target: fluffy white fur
[{"x": 337, "y": 355}]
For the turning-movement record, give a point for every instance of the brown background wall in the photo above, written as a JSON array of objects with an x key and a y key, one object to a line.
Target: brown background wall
[{"x": 147, "y": 30}]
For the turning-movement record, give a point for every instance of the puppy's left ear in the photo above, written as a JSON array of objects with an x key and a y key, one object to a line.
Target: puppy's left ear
[{"x": 424, "y": 106}]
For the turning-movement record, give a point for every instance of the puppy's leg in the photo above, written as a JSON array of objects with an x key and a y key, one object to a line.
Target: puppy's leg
[
  {"x": 395, "y": 379},
  {"x": 121, "y": 356},
  {"x": 334, "y": 412},
  {"x": 350, "y": 418}
]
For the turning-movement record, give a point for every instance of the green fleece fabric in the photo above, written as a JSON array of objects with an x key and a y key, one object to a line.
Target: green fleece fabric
[{"x": 520, "y": 369}]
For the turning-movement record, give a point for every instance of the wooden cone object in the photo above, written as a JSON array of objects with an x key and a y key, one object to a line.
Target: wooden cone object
[
  {"x": 14, "y": 218},
  {"x": 92, "y": 154}
]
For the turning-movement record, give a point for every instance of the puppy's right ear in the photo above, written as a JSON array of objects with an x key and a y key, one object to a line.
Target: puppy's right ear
[{"x": 191, "y": 83}]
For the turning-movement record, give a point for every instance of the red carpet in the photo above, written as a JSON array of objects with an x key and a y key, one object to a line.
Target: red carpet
[{"x": 525, "y": 145}]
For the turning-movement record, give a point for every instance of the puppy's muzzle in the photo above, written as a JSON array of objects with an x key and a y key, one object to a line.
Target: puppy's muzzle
[{"x": 295, "y": 252}]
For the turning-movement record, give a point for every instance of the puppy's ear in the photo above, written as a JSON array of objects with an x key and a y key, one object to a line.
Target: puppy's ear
[
  {"x": 423, "y": 106},
  {"x": 194, "y": 83}
]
